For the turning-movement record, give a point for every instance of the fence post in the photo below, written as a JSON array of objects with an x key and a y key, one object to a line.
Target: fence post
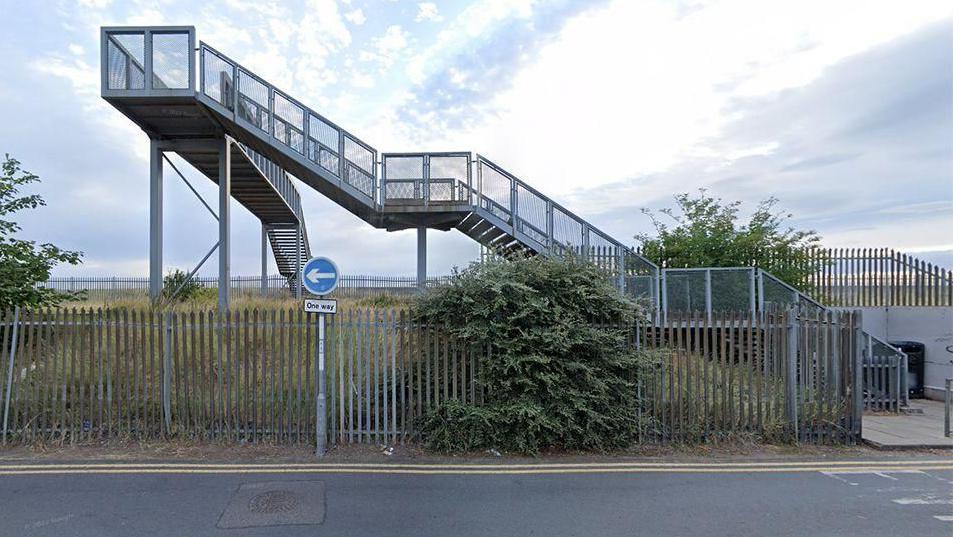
[
  {"x": 792, "y": 381},
  {"x": 167, "y": 374},
  {"x": 320, "y": 401},
  {"x": 858, "y": 390},
  {"x": 947, "y": 393},
  {"x": 13, "y": 355}
]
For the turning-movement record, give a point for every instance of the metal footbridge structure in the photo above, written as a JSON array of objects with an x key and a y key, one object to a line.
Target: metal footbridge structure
[{"x": 247, "y": 136}]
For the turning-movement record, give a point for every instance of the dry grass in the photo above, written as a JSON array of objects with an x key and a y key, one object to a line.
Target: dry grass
[{"x": 241, "y": 302}]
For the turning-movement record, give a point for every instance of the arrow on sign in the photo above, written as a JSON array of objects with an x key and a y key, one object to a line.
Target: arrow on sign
[{"x": 314, "y": 275}]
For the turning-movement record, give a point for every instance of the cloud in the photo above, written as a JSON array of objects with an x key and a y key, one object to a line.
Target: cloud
[
  {"x": 387, "y": 48},
  {"x": 607, "y": 106},
  {"x": 427, "y": 11},
  {"x": 885, "y": 185},
  {"x": 356, "y": 16}
]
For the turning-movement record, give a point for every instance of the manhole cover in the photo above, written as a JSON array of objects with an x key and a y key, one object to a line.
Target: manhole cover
[{"x": 273, "y": 501}]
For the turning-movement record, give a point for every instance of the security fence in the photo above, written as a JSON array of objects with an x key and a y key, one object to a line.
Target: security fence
[
  {"x": 862, "y": 277},
  {"x": 108, "y": 289},
  {"x": 75, "y": 375}
]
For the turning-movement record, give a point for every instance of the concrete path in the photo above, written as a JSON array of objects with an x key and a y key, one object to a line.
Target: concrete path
[
  {"x": 919, "y": 426},
  {"x": 803, "y": 498}
]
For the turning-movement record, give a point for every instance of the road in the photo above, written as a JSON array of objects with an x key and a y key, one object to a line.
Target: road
[{"x": 825, "y": 498}]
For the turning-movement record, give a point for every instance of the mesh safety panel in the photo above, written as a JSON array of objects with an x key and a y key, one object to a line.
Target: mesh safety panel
[
  {"x": 685, "y": 290},
  {"x": 404, "y": 168},
  {"x": 566, "y": 229},
  {"x": 170, "y": 60},
  {"x": 217, "y": 76},
  {"x": 360, "y": 180},
  {"x": 531, "y": 209},
  {"x": 323, "y": 133},
  {"x": 496, "y": 188},
  {"x": 357, "y": 154},
  {"x": 126, "y": 55},
  {"x": 731, "y": 290},
  {"x": 776, "y": 294},
  {"x": 401, "y": 189},
  {"x": 253, "y": 104},
  {"x": 441, "y": 189},
  {"x": 449, "y": 168},
  {"x": 289, "y": 123}
]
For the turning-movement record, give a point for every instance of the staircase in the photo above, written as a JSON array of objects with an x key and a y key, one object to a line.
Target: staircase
[{"x": 443, "y": 191}]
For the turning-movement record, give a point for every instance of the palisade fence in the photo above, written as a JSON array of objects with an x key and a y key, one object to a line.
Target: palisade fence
[
  {"x": 106, "y": 289},
  {"x": 866, "y": 277},
  {"x": 74, "y": 375}
]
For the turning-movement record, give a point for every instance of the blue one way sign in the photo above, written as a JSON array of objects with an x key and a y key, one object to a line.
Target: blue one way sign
[{"x": 320, "y": 275}]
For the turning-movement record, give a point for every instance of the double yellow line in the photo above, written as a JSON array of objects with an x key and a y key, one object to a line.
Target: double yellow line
[{"x": 477, "y": 468}]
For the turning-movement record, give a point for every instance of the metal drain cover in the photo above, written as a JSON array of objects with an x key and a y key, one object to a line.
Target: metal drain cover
[{"x": 274, "y": 503}]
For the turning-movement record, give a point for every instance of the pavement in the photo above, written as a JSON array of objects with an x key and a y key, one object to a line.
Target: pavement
[
  {"x": 920, "y": 425},
  {"x": 909, "y": 495}
]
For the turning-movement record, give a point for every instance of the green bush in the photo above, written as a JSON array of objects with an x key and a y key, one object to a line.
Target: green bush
[
  {"x": 190, "y": 288},
  {"x": 559, "y": 371}
]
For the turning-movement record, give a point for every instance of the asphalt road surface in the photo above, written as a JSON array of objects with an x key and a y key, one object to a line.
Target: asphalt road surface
[{"x": 893, "y": 499}]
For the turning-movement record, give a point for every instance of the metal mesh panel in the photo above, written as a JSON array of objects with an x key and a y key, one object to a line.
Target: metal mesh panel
[
  {"x": 440, "y": 189},
  {"x": 776, "y": 294},
  {"x": 731, "y": 289},
  {"x": 288, "y": 111},
  {"x": 360, "y": 180},
  {"x": 401, "y": 189},
  {"x": 217, "y": 74},
  {"x": 170, "y": 60},
  {"x": 449, "y": 168},
  {"x": 404, "y": 177},
  {"x": 253, "y": 101},
  {"x": 323, "y": 133},
  {"x": 289, "y": 123},
  {"x": 404, "y": 168},
  {"x": 496, "y": 188},
  {"x": 566, "y": 229},
  {"x": 126, "y": 58},
  {"x": 531, "y": 209},
  {"x": 449, "y": 178},
  {"x": 604, "y": 252},
  {"x": 357, "y": 154},
  {"x": 685, "y": 290},
  {"x": 323, "y": 144}
]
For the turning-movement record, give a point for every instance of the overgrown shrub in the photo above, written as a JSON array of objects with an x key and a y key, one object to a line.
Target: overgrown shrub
[
  {"x": 558, "y": 371},
  {"x": 178, "y": 280}
]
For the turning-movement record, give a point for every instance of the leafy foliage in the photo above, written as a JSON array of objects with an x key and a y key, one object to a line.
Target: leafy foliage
[
  {"x": 558, "y": 371},
  {"x": 24, "y": 264},
  {"x": 190, "y": 288},
  {"x": 707, "y": 233}
]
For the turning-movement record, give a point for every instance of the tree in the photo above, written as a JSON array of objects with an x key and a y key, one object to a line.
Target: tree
[
  {"x": 705, "y": 232},
  {"x": 555, "y": 365},
  {"x": 23, "y": 263}
]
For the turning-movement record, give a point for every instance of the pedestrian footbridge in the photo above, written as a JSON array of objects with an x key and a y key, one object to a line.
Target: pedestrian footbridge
[{"x": 247, "y": 135}]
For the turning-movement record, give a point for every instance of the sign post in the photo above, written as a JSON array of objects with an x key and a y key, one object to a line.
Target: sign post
[{"x": 320, "y": 276}]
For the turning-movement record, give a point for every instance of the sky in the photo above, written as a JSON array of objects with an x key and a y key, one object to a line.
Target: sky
[{"x": 842, "y": 110}]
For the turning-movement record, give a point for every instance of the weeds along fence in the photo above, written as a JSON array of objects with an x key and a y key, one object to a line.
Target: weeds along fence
[{"x": 74, "y": 375}]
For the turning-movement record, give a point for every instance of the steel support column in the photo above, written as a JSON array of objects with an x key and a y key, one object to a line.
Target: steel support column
[
  {"x": 155, "y": 220},
  {"x": 224, "y": 219},
  {"x": 298, "y": 262},
  {"x": 264, "y": 260},
  {"x": 421, "y": 257}
]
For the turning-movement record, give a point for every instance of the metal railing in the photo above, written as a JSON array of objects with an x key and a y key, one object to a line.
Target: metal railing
[
  {"x": 147, "y": 61},
  {"x": 417, "y": 178},
  {"x": 258, "y": 105}
]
